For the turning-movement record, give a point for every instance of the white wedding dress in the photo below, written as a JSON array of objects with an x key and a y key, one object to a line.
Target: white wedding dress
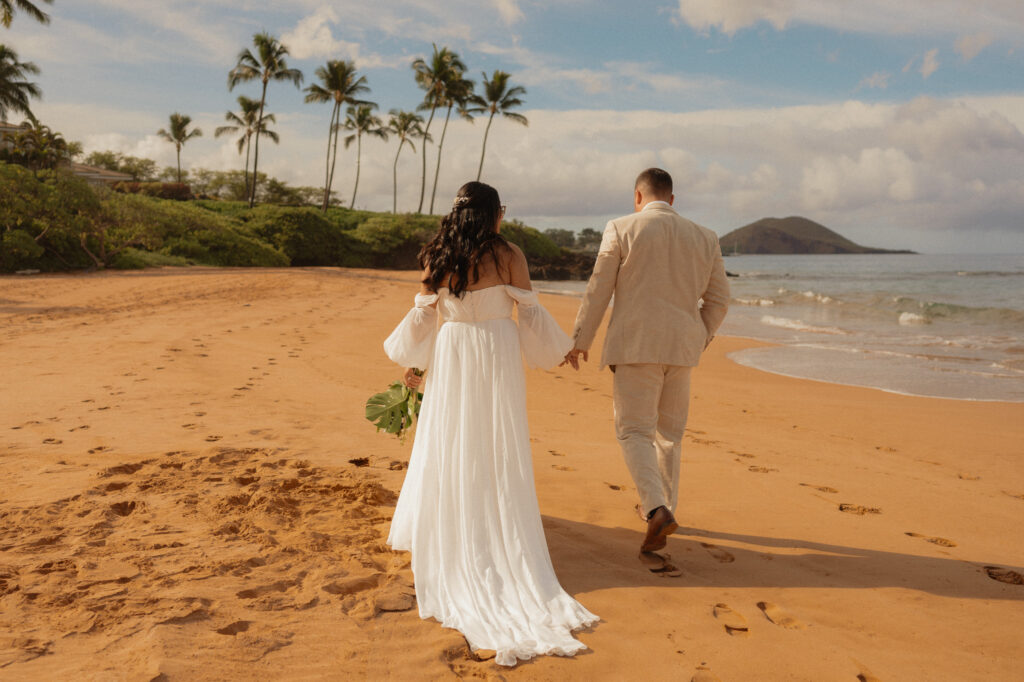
[{"x": 468, "y": 508}]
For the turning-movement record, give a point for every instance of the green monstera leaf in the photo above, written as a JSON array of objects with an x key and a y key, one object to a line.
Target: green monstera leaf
[{"x": 395, "y": 410}]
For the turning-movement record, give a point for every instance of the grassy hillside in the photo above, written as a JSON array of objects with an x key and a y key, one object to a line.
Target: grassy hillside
[
  {"x": 53, "y": 221},
  {"x": 788, "y": 236}
]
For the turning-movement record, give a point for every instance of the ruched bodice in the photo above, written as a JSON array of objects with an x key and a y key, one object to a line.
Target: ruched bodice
[{"x": 490, "y": 303}]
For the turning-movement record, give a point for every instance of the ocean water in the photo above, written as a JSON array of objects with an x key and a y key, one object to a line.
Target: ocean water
[{"x": 949, "y": 326}]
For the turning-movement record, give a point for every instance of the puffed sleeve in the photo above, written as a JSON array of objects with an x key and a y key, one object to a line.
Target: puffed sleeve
[
  {"x": 411, "y": 344},
  {"x": 543, "y": 342}
]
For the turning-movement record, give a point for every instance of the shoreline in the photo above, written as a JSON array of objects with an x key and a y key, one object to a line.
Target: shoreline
[
  {"x": 193, "y": 491},
  {"x": 411, "y": 276}
]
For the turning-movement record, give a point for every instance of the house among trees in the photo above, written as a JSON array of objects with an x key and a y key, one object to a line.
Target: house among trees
[
  {"x": 97, "y": 175},
  {"x": 11, "y": 136}
]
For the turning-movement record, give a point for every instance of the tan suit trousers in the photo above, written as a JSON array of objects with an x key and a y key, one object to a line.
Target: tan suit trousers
[{"x": 651, "y": 405}]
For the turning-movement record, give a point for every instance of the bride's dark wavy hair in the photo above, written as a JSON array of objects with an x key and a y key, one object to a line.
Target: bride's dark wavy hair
[{"x": 466, "y": 236}]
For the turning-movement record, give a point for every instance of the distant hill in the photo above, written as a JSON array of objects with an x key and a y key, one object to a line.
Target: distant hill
[{"x": 790, "y": 235}]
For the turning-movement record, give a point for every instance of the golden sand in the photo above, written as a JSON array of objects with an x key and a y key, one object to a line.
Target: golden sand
[{"x": 179, "y": 500}]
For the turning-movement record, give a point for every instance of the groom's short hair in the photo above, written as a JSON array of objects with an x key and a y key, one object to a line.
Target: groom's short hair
[{"x": 655, "y": 182}]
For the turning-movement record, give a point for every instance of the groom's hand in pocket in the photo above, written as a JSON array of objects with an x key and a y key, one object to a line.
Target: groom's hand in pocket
[{"x": 573, "y": 358}]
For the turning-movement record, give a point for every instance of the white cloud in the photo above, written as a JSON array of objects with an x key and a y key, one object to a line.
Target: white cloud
[
  {"x": 1004, "y": 19},
  {"x": 732, "y": 15},
  {"x": 509, "y": 10},
  {"x": 313, "y": 37},
  {"x": 879, "y": 79},
  {"x": 969, "y": 46},
  {"x": 929, "y": 63}
]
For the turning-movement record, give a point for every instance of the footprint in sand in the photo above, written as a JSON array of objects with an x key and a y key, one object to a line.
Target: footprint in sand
[
  {"x": 734, "y": 623},
  {"x": 555, "y": 453},
  {"x": 52, "y": 441},
  {"x": 562, "y": 467},
  {"x": 720, "y": 555},
  {"x": 821, "y": 488},
  {"x": 934, "y": 540},
  {"x": 659, "y": 565},
  {"x": 761, "y": 470},
  {"x": 123, "y": 508},
  {"x": 189, "y": 426},
  {"x": 742, "y": 454},
  {"x": 213, "y": 439},
  {"x": 234, "y": 628},
  {"x": 614, "y": 486},
  {"x": 1004, "y": 575},
  {"x": 1019, "y": 496},
  {"x": 968, "y": 477},
  {"x": 780, "y": 617},
  {"x": 704, "y": 674},
  {"x": 858, "y": 509}
]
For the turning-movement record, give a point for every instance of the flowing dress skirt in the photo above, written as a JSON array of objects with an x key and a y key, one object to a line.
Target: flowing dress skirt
[{"x": 468, "y": 508}]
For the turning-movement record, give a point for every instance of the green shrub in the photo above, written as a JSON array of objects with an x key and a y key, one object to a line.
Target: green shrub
[
  {"x": 303, "y": 234},
  {"x": 225, "y": 248},
  {"x": 54, "y": 208},
  {"x": 536, "y": 245},
  {"x": 177, "y": 191},
  {"x": 18, "y": 251}
]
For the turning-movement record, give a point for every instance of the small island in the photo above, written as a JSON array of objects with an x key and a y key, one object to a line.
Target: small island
[{"x": 792, "y": 235}]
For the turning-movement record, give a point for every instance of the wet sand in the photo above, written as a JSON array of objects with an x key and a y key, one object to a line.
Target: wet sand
[{"x": 191, "y": 491}]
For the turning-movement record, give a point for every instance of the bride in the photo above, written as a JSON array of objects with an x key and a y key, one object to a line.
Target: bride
[{"x": 468, "y": 509}]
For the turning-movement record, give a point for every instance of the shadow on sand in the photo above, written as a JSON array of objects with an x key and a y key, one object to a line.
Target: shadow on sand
[{"x": 589, "y": 557}]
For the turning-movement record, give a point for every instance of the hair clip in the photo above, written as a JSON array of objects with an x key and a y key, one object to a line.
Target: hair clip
[{"x": 460, "y": 201}]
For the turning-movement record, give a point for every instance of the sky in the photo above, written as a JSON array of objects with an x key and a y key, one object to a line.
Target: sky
[{"x": 899, "y": 125}]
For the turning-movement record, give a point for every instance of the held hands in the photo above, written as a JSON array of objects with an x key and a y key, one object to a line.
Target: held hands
[{"x": 573, "y": 358}]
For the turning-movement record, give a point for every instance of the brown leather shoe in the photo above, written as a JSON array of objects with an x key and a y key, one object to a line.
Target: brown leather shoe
[{"x": 659, "y": 527}]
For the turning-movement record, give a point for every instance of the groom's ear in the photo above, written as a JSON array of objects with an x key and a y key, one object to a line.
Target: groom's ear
[{"x": 671, "y": 199}]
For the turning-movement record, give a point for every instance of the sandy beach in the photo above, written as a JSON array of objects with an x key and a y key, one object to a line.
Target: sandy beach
[{"x": 191, "y": 492}]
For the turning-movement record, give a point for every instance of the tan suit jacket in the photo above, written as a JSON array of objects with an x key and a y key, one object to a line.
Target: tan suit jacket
[{"x": 660, "y": 266}]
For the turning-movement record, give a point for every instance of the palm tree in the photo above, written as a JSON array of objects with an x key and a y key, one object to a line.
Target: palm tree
[
  {"x": 407, "y": 125},
  {"x": 15, "y": 91},
  {"x": 179, "y": 134},
  {"x": 270, "y": 65},
  {"x": 458, "y": 90},
  {"x": 7, "y": 11},
  {"x": 36, "y": 146},
  {"x": 361, "y": 119},
  {"x": 432, "y": 79},
  {"x": 246, "y": 122},
  {"x": 339, "y": 83},
  {"x": 498, "y": 98}
]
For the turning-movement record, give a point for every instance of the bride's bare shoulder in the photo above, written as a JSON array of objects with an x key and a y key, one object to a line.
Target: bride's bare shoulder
[{"x": 514, "y": 263}]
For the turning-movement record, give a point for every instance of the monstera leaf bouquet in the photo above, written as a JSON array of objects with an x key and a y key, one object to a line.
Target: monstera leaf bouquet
[{"x": 396, "y": 409}]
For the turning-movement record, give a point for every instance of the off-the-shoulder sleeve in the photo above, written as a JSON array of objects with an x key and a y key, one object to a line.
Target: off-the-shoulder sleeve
[
  {"x": 543, "y": 342},
  {"x": 411, "y": 344}
]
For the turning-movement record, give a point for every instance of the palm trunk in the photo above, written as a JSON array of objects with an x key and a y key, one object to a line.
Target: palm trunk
[
  {"x": 359, "y": 159},
  {"x": 423, "y": 150},
  {"x": 483, "y": 150},
  {"x": 394, "y": 177},
  {"x": 331, "y": 132},
  {"x": 248, "y": 141},
  {"x": 178, "y": 147},
  {"x": 334, "y": 161},
  {"x": 256, "y": 152},
  {"x": 437, "y": 170}
]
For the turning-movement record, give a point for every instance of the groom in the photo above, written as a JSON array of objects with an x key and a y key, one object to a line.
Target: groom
[{"x": 659, "y": 266}]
